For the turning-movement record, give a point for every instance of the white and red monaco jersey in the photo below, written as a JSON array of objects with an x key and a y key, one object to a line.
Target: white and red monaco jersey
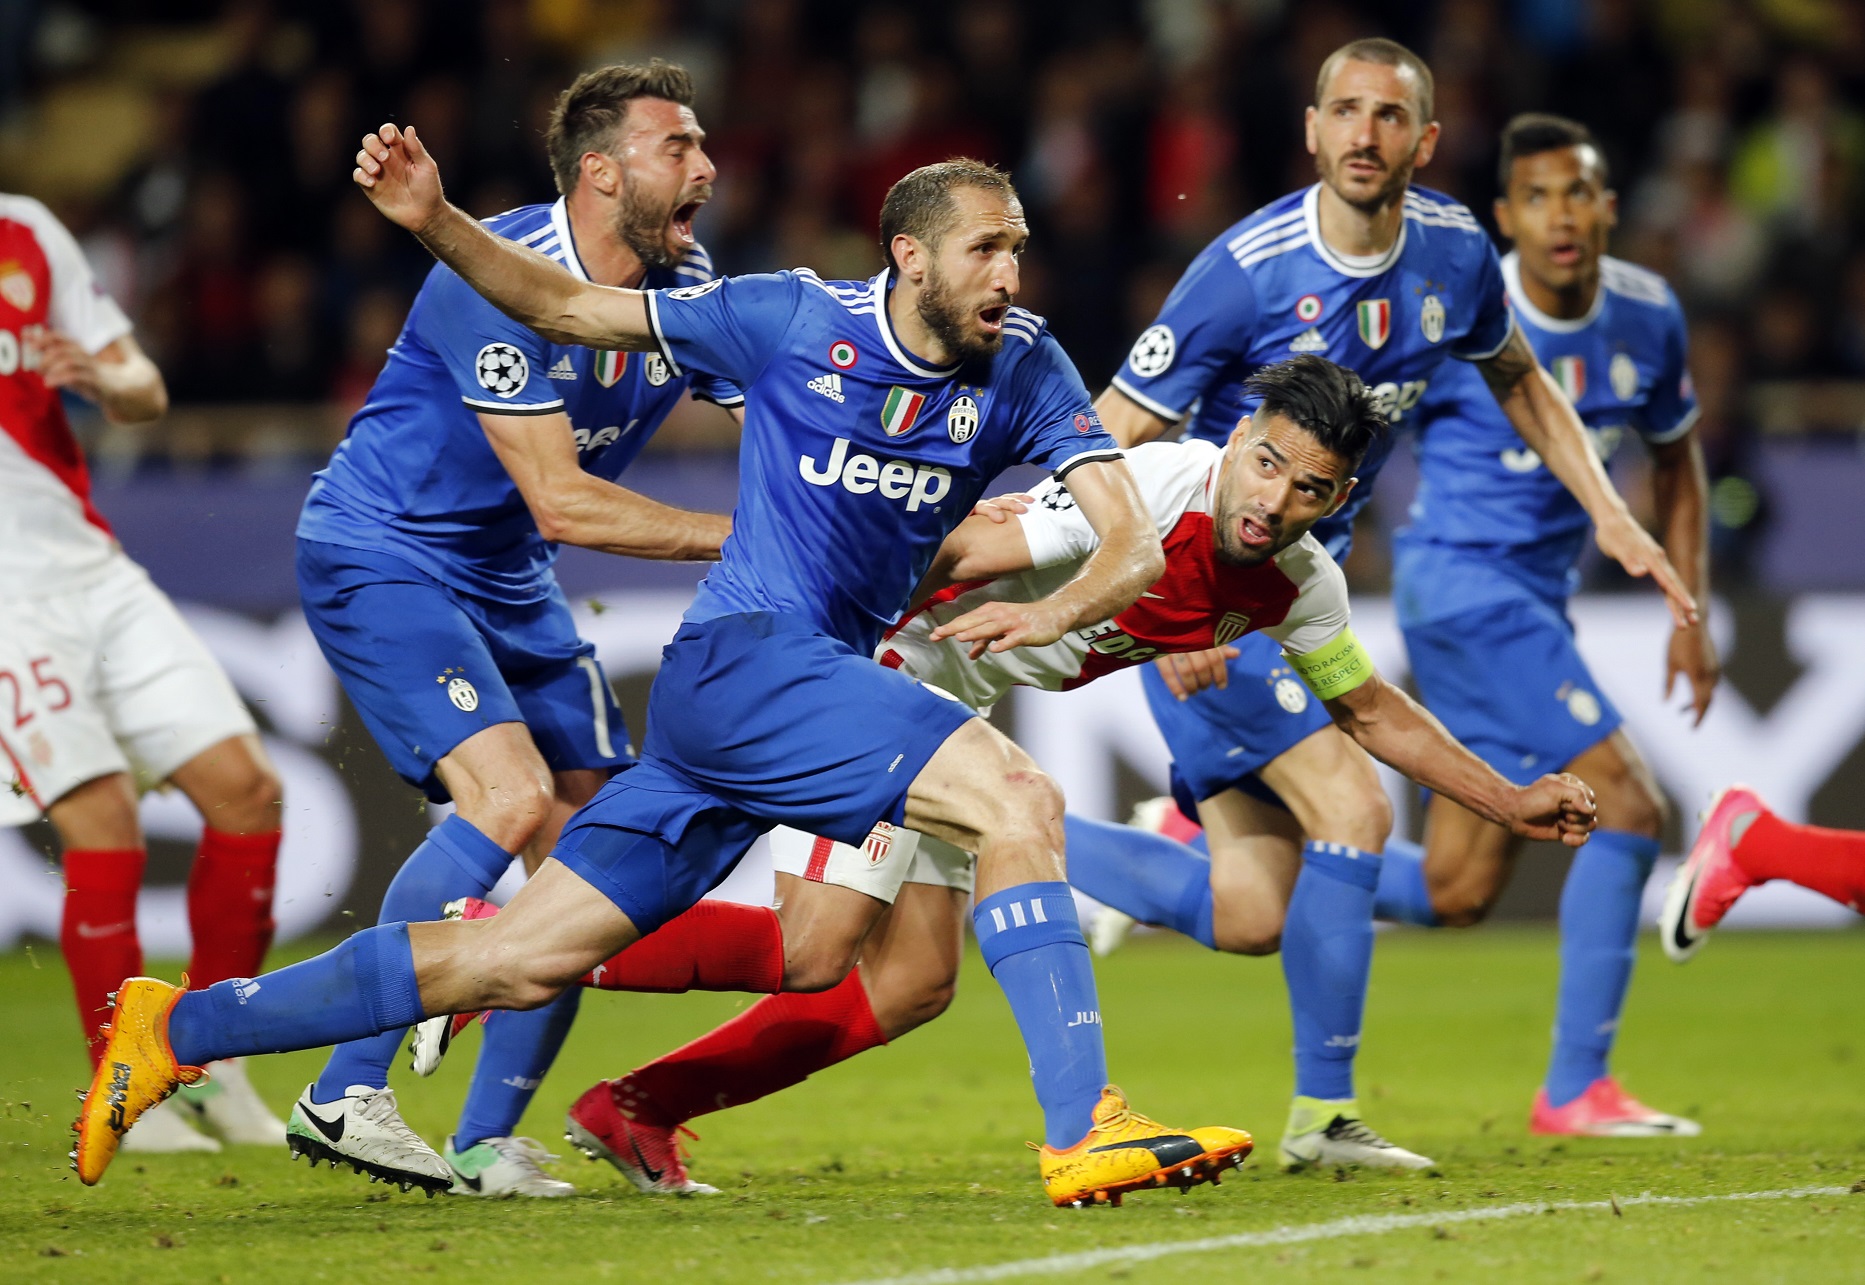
[
  {"x": 50, "y": 535},
  {"x": 1299, "y": 597}
]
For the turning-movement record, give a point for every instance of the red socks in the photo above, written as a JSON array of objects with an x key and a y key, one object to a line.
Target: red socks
[
  {"x": 230, "y": 905},
  {"x": 1831, "y": 862},
  {"x": 777, "y": 1042},
  {"x": 715, "y": 946},
  {"x": 97, "y": 931}
]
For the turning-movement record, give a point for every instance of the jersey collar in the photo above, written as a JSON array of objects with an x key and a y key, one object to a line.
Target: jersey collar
[
  {"x": 1512, "y": 281},
  {"x": 894, "y": 347},
  {"x": 560, "y": 220},
  {"x": 1311, "y": 217}
]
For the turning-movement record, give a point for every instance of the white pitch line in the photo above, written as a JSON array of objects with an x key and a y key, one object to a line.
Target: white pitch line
[{"x": 1359, "y": 1225}]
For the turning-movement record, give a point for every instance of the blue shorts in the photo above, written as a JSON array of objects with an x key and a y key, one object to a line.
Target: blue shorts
[
  {"x": 1221, "y": 736},
  {"x": 754, "y": 720},
  {"x": 428, "y": 666},
  {"x": 1504, "y": 676}
]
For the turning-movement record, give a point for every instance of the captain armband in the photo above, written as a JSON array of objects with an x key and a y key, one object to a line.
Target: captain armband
[{"x": 1333, "y": 670}]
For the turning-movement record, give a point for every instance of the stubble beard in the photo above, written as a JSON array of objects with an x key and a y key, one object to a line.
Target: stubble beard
[
  {"x": 1398, "y": 178},
  {"x": 642, "y": 227},
  {"x": 948, "y": 322}
]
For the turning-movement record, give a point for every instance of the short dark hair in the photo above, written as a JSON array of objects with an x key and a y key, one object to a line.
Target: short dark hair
[
  {"x": 588, "y": 113},
  {"x": 921, "y": 206},
  {"x": 1324, "y": 399},
  {"x": 1532, "y": 133},
  {"x": 1387, "y": 53}
]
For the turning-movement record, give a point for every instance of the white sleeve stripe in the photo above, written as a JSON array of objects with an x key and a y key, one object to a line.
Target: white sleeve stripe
[
  {"x": 506, "y": 408},
  {"x": 1073, "y": 462},
  {"x": 1164, "y": 412},
  {"x": 1507, "y": 335},
  {"x": 1269, "y": 252},
  {"x": 1677, "y": 430},
  {"x": 654, "y": 324}
]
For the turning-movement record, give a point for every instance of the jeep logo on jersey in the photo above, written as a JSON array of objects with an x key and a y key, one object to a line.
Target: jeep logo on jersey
[
  {"x": 1375, "y": 320},
  {"x": 463, "y": 694},
  {"x": 1571, "y": 374},
  {"x": 610, "y": 366},
  {"x": 901, "y": 410},
  {"x": 501, "y": 369},
  {"x": 587, "y": 440},
  {"x": 1152, "y": 352},
  {"x": 1431, "y": 319},
  {"x": 21, "y": 351},
  {"x": 1232, "y": 626},
  {"x": 694, "y": 292},
  {"x": 895, "y": 479},
  {"x": 962, "y": 420},
  {"x": 1394, "y": 400},
  {"x": 656, "y": 368},
  {"x": 1622, "y": 374}
]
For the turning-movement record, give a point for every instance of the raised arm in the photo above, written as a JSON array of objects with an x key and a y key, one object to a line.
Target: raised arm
[
  {"x": 1127, "y": 558},
  {"x": 1400, "y": 733},
  {"x": 575, "y": 507},
  {"x": 1547, "y": 422},
  {"x": 403, "y": 182}
]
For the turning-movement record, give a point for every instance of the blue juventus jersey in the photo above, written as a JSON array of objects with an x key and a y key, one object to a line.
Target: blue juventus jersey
[
  {"x": 1270, "y": 287},
  {"x": 1623, "y": 366},
  {"x": 858, "y": 458},
  {"x": 416, "y": 476}
]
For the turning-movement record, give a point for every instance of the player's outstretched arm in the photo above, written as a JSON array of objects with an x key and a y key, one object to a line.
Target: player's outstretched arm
[
  {"x": 1681, "y": 487},
  {"x": 403, "y": 182},
  {"x": 1402, "y": 734},
  {"x": 1547, "y": 422},
  {"x": 1127, "y": 558},
  {"x": 119, "y": 378},
  {"x": 571, "y": 506},
  {"x": 982, "y": 547}
]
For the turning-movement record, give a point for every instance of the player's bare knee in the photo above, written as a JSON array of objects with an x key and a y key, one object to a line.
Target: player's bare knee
[
  {"x": 510, "y": 811},
  {"x": 1628, "y": 803},
  {"x": 1026, "y": 815},
  {"x": 1465, "y": 902},
  {"x": 815, "y": 970},
  {"x": 1360, "y": 818},
  {"x": 926, "y": 1003}
]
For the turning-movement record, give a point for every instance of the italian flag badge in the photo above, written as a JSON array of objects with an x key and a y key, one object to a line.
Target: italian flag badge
[
  {"x": 610, "y": 367},
  {"x": 1571, "y": 374},
  {"x": 901, "y": 410},
  {"x": 1375, "y": 317}
]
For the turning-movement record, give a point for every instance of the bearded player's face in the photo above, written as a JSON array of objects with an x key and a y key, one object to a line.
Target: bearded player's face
[
  {"x": 972, "y": 275},
  {"x": 666, "y": 176},
  {"x": 1278, "y": 480},
  {"x": 1367, "y": 134}
]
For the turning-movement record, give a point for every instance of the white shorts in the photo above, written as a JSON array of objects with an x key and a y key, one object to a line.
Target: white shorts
[
  {"x": 888, "y": 857},
  {"x": 106, "y": 678}
]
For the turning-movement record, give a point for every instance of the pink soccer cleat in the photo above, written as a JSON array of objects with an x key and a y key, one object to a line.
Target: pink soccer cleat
[
  {"x": 1710, "y": 881},
  {"x": 602, "y": 1127},
  {"x": 1607, "y": 1111}
]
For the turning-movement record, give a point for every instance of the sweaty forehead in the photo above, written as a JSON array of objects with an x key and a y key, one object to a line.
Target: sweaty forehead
[{"x": 1375, "y": 81}]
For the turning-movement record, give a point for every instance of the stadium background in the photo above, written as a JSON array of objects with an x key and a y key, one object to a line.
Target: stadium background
[{"x": 202, "y": 153}]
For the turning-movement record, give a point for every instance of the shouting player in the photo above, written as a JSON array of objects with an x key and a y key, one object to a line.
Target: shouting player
[
  {"x": 1481, "y": 583},
  {"x": 876, "y": 411},
  {"x": 1391, "y": 281},
  {"x": 1234, "y": 522},
  {"x": 424, "y": 559},
  {"x": 104, "y": 690}
]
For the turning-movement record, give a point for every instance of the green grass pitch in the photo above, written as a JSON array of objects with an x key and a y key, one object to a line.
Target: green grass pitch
[{"x": 909, "y": 1159}]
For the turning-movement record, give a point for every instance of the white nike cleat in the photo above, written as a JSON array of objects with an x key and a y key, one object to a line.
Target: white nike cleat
[
  {"x": 500, "y": 1167},
  {"x": 228, "y": 1107},
  {"x": 1323, "y": 1134},
  {"x": 163, "y": 1129},
  {"x": 1109, "y": 930},
  {"x": 364, "y": 1130},
  {"x": 433, "y": 1036}
]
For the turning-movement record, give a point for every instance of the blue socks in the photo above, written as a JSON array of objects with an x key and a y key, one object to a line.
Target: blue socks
[
  {"x": 518, "y": 1050},
  {"x": 1327, "y": 954},
  {"x": 1599, "y": 929},
  {"x": 364, "y": 986},
  {"x": 1031, "y": 939},
  {"x": 1155, "y": 879},
  {"x": 1402, "y": 897},
  {"x": 455, "y": 861}
]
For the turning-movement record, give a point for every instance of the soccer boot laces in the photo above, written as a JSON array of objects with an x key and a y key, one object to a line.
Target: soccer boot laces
[
  {"x": 1323, "y": 1133},
  {"x": 137, "y": 1070},
  {"x": 1126, "y": 1151},
  {"x": 649, "y": 1154},
  {"x": 501, "y": 1167},
  {"x": 364, "y": 1130}
]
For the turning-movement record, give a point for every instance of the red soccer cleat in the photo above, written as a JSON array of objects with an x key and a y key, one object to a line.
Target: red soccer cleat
[
  {"x": 649, "y": 1155},
  {"x": 1710, "y": 881},
  {"x": 1607, "y": 1111}
]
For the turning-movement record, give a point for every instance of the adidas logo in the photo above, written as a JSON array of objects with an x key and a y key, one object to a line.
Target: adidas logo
[
  {"x": 563, "y": 369},
  {"x": 1309, "y": 340},
  {"x": 829, "y": 386}
]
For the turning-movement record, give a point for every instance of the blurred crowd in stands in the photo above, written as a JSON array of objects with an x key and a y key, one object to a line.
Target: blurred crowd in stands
[{"x": 1136, "y": 131}]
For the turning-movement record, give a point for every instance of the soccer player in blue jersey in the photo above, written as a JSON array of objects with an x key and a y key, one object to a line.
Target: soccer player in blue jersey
[
  {"x": 1481, "y": 583},
  {"x": 875, "y": 414},
  {"x": 1393, "y": 282},
  {"x": 424, "y": 560}
]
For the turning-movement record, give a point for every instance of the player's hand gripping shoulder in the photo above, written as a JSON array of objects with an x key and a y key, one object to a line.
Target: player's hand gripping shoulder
[{"x": 402, "y": 180}]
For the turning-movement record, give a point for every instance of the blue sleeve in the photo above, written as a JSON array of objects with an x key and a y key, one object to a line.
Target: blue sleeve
[
  {"x": 499, "y": 366},
  {"x": 728, "y": 329},
  {"x": 1206, "y": 324},
  {"x": 1490, "y": 332},
  {"x": 1056, "y": 423},
  {"x": 1671, "y": 410},
  {"x": 722, "y": 392}
]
